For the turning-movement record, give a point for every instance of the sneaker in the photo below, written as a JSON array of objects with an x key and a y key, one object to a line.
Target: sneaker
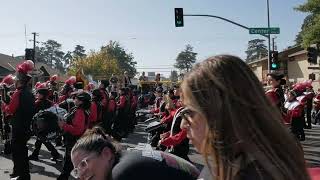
[
  {"x": 33, "y": 157},
  {"x": 13, "y": 175}
]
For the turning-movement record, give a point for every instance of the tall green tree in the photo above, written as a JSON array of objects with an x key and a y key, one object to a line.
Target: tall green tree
[
  {"x": 51, "y": 52},
  {"x": 125, "y": 60},
  {"x": 310, "y": 29},
  {"x": 79, "y": 52},
  {"x": 256, "y": 50},
  {"x": 186, "y": 59},
  {"x": 174, "y": 77}
]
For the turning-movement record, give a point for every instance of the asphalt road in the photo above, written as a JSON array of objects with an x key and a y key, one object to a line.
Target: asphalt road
[{"x": 46, "y": 169}]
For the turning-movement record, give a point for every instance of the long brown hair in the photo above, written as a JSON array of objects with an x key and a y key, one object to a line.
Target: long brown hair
[{"x": 241, "y": 121}]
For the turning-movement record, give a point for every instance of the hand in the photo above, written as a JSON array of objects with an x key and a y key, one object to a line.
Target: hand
[{"x": 159, "y": 143}]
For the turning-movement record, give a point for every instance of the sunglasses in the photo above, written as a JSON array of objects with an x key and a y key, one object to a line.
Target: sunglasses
[
  {"x": 186, "y": 114},
  {"x": 81, "y": 166}
]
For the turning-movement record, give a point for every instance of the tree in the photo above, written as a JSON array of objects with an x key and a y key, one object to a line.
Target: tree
[
  {"x": 186, "y": 59},
  {"x": 97, "y": 64},
  {"x": 256, "y": 50},
  {"x": 79, "y": 52},
  {"x": 51, "y": 54},
  {"x": 68, "y": 59},
  {"x": 125, "y": 60},
  {"x": 310, "y": 29},
  {"x": 174, "y": 76},
  {"x": 306, "y": 23}
]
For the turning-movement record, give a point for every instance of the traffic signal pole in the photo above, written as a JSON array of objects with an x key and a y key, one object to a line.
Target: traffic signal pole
[
  {"x": 225, "y": 19},
  {"x": 269, "y": 43}
]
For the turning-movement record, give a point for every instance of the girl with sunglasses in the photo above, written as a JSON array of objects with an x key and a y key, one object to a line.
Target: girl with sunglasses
[{"x": 96, "y": 157}]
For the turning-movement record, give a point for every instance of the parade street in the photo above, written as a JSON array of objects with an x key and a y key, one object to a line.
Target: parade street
[{"x": 46, "y": 169}]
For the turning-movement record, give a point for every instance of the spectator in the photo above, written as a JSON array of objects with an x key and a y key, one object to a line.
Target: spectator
[
  {"x": 95, "y": 156},
  {"x": 238, "y": 132}
]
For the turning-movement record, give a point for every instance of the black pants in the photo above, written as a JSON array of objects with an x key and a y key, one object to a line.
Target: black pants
[
  {"x": 67, "y": 164},
  {"x": 48, "y": 145},
  {"x": 308, "y": 111},
  {"x": 20, "y": 156},
  {"x": 297, "y": 125}
]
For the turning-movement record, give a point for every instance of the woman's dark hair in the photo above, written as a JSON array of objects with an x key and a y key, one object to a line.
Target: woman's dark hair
[
  {"x": 278, "y": 77},
  {"x": 94, "y": 141}
]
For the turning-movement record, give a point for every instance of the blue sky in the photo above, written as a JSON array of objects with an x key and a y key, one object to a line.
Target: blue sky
[{"x": 145, "y": 27}]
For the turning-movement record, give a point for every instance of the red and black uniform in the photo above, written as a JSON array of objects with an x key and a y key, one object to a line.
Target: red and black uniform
[
  {"x": 5, "y": 119},
  {"x": 95, "y": 113},
  {"x": 111, "y": 113},
  {"x": 121, "y": 123},
  {"x": 294, "y": 116},
  {"x": 177, "y": 140},
  {"x": 276, "y": 96},
  {"x": 21, "y": 107},
  {"x": 76, "y": 124}
]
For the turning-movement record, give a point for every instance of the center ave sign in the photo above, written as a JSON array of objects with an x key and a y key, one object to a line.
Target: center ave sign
[{"x": 272, "y": 30}]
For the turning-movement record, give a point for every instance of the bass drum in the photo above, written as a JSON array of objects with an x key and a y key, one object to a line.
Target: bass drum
[{"x": 45, "y": 125}]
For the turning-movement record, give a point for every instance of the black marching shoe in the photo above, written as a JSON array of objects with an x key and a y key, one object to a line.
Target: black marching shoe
[{"x": 33, "y": 157}]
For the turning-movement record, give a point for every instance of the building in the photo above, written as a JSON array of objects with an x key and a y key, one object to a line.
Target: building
[
  {"x": 293, "y": 64},
  {"x": 42, "y": 71}
]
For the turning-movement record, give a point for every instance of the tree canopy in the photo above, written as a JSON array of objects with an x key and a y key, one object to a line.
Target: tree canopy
[
  {"x": 256, "y": 50},
  {"x": 310, "y": 29},
  {"x": 186, "y": 59}
]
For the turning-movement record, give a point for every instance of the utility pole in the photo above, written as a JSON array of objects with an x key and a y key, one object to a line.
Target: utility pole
[
  {"x": 34, "y": 45},
  {"x": 269, "y": 43}
]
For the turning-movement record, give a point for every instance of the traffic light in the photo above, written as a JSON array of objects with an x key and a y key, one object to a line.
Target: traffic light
[
  {"x": 178, "y": 15},
  {"x": 29, "y": 54},
  {"x": 274, "y": 64},
  {"x": 312, "y": 55}
]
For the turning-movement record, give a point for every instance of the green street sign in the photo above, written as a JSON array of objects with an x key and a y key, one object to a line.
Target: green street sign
[{"x": 272, "y": 30}]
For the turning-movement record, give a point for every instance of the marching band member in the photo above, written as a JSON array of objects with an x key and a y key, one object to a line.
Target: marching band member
[
  {"x": 53, "y": 90},
  {"x": 5, "y": 85},
  {"x": 276, "y": 94},
  {"x": 21, "y": 107},
  {"x": 67, "y": 89},
  {"x": 74, "y": 126},
  {"x": 42, "y": 102},
  {"x": 96, "y": 108},
  {"x": 294, "y": 114}
]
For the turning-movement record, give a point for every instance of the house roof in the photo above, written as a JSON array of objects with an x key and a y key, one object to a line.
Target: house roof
[
  {"x": 258, "y": 60},
  {"x": 10, "y": 63}
]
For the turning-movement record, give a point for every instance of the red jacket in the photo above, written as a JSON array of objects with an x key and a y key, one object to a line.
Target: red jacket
[
  {"x": 294, "y": 110},
  {"x": 175, "y": 139},
  {"x": 78, "y": 125},
  {"x": 112, "y": 105},
  {"x": 93, "y": 117},
  {"x": 169, "y": 117},
  {"x": 122, "y": 102},
  {"x": 11, "y": 108}
]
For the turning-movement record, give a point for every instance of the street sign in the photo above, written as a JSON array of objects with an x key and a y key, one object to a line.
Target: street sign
[{"x": 272, "y": 30}]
